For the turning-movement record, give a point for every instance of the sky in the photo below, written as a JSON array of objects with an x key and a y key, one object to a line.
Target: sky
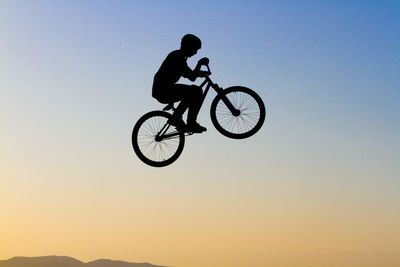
[{"x": 318, "y": 185}]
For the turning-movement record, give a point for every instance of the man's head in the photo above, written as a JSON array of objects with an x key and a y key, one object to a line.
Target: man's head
[{"x": 190, "y": 44}]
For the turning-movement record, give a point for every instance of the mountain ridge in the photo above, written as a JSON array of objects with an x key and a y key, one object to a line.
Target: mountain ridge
[{"x": 66, "y": 261}]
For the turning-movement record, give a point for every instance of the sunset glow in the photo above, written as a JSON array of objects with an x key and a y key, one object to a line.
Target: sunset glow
[{"x": 317, "y": 186}]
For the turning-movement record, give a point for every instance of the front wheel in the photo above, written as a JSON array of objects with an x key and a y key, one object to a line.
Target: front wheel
[
  {"x": 155, "y": 141},
  {"x": 248, "y": 117}
]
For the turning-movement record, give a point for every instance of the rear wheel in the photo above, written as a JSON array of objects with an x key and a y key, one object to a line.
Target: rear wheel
[
  {"x": 155, "y": 141},
  {"x": 250, "y": 114}
]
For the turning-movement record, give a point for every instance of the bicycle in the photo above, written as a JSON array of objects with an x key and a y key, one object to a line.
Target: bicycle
[{"x": 236, "y": 112}]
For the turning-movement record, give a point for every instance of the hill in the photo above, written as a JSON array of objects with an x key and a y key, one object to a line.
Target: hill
[{"x": 63, "y": 261}]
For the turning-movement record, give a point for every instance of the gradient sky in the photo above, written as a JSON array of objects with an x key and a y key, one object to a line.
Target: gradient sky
[{"x": 317, "y": 186}]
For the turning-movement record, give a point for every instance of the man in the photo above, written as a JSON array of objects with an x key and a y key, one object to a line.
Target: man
[{"x": 167, "y": 90}]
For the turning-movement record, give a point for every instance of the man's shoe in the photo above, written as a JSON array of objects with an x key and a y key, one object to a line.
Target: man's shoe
[
  {"x": 177, "y": 122},
  {"x": 195, "y": 128}
]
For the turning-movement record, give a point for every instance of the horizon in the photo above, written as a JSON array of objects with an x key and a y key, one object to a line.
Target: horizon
[
  {"x": 56, "y": 256},
  {"x": 29, "y": 260},
  {"x": 60, "y": 256},
  {"x": 318, "y": 185}
]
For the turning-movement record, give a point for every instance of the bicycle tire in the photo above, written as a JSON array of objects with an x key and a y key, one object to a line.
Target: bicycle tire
[
  {"x": 252, "y": 113},
  {"x": 147, "y": 148}
]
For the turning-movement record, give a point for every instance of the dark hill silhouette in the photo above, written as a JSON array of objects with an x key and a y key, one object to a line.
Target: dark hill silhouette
[
  {"x": 110, "y": 263},
  {"x": 63, "y": 261},
  {"x": 49, "y": 261}
]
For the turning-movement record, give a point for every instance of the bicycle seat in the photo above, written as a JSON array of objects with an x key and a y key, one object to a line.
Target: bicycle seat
[{"x": 169, "y": 106}]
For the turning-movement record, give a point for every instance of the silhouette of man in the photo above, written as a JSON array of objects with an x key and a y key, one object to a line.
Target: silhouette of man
[{"x": 167, "y": 90}]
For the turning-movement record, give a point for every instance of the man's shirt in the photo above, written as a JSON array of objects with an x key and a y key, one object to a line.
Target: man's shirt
[{"x": 172, "y": 69}]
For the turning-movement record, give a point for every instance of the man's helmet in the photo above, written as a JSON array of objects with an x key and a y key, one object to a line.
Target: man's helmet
[{"x": 190, "y": 41}]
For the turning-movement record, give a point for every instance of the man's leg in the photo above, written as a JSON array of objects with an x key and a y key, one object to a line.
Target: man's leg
[
  {"x": 190, "y": 97},
  {"x": 195, "y": 102}
]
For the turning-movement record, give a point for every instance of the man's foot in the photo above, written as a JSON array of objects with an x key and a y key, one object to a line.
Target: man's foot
[
  {"x": 177, "y": 122},
  {"x": 194, "y": 127}
]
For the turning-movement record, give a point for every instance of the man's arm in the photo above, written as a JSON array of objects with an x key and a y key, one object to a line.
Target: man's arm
[{"x": 196, "y": 72}]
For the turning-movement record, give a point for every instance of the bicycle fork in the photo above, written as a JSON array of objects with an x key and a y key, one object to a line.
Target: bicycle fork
[{"x": 235, "y": 112}]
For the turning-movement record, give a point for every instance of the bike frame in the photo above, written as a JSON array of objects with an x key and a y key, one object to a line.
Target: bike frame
[
  {"x": 219, "y": 92},
  {"x": 207, "y": 83}
]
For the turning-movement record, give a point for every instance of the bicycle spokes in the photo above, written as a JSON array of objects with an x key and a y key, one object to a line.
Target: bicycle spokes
[
  {"x": 246, "y": 116},
  {"x": 155, "y": 141},
  {"x": 239, "y": 113}
]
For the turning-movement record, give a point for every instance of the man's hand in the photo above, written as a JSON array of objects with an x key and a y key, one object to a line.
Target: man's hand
[{"x": 204, "y": 61}]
